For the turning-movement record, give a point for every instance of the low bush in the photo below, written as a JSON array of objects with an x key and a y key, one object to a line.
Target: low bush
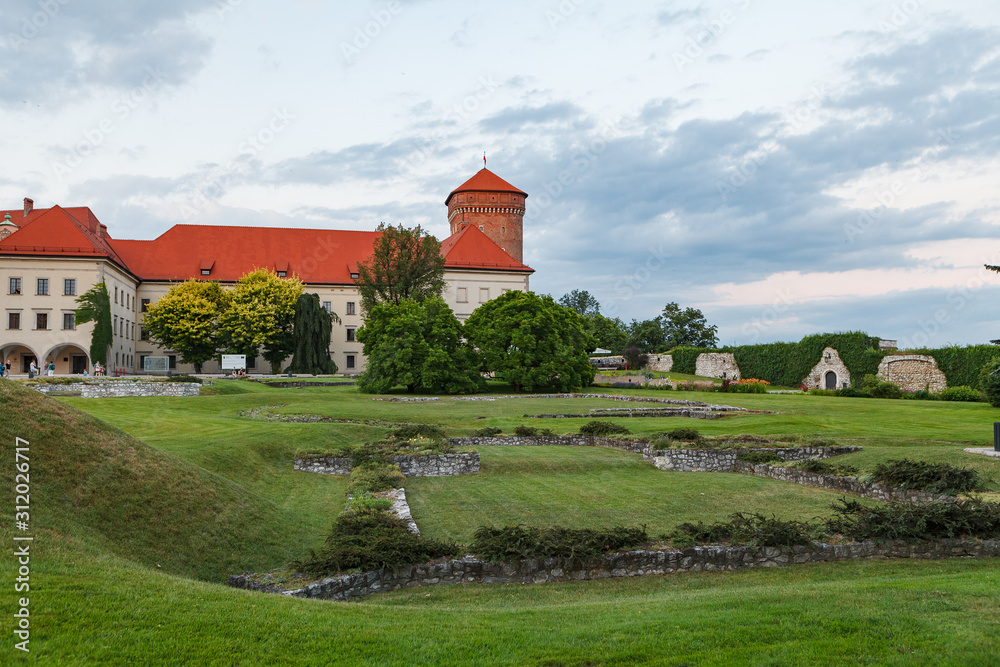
[
  {"x": 757, "y": 458},
  {"x": 928, "y": 477},
  {"x": 488, "y": 432},
  {"x": 598, "y": 427},
  {"x": 878, "y": 388},
  {"x": 683, "y": 434},
  {"x": 698, "y": 386},
  {"x": 824, "y": 392},
  {"x": 375, "y": 478},
  {"x": 825, "y": 468},
  {"x": 367, "y": 501},
  {"x": 510, "y": 543},
  {"x": 744, "y": 528},
  {"x": 753, "y": 387},
  {"x": 523, "y": 431},
  {"x": 925, "y": 395},
  {"x": 183, "y": 378},
  {"x": 371, "y": 539},
  {"x": 915, "y": 521},
  {"x": 851, "y": 392},
  {"x": 962, "y": 393}
]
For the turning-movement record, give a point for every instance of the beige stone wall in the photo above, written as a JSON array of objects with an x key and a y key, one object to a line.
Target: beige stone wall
[
  {"x": 830, "y": 362},
  {"x": 717, "y": 365},
  {"x": 467, "y": 290},
  {"x": 660, "y": 363},
  {"x": 913, "y": 372}
]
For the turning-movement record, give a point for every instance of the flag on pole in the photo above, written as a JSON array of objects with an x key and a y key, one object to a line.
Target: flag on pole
[{"x": 484, "y": 159}]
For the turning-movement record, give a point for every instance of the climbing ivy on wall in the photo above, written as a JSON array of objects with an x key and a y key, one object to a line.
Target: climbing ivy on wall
[{"x": 961, "y": 365}]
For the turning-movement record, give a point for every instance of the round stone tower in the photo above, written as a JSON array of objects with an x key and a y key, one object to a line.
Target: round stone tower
[{"x": 492, "y": 204}]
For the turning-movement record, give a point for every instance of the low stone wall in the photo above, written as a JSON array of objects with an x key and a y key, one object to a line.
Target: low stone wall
[
  {"x": 430, "y": 465},
  {"x": 120, "y": 389},
  {"x": 724, "y": 460},
  {"x": 717, "y": 365},
  {"x": 551, "y": 441},
  {"x": 470, "y": 570},
  {"x": 913, "y": 372},
  {"x": 850, "y": 485}
]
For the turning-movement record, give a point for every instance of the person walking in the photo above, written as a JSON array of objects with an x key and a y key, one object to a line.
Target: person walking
[
  {"x": 52, "y": 368},
  {"x": 32, "y": 369}
]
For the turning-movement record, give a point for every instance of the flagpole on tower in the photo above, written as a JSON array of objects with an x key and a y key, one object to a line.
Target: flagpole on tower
[{"x": 484, "y": 159}]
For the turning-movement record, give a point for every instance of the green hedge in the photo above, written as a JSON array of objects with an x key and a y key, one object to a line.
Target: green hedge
[
  {"x": 961, "y": 365},
  {"x": 685, "y": 358}
]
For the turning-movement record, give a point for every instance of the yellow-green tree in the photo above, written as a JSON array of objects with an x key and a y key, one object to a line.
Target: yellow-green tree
[
  {"x": 260, "y": 316},
  {"x": 186, "y": 319}
]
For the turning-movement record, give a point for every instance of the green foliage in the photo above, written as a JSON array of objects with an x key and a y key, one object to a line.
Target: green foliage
[
  {"x": 752, "y": 529},
  {"x": 609, "y": 334},
  {"x": 635, "y": 358},
  {"x": 825, "y": 468},
  {"x": 405, "y": 264},
  {"x": 311, "y": 337},
  {"x": 94, "y": 305},
  {"x": 600, "y": 428},
  {"x": 687, "y": 328},
  {"x": 689, "y": 434},
  {"x": 915, "y": 521},
  {"x": 582, "y": 301},
  {"x": 928, "y": 477},
  {"x": 367, "y": 501},
  {"x": 371, "y": 539},
  {"x": 419, "y": 346},
  {"x": 758, "y": 458},
  {"x": 989, "y": 381},
  {"x": 962, "y": 393},
  {"x": 419, "y": 431},
  {"x": 373, "y": 478},
  {"x": 512, "y": 543},
  {"x": 747, "y": 388},
  {"x": 487, "y": 432},
  {"x": 685, "y": 358},
  {"x": 184, "y": 378},
  {"x": 261, "y": 314},
  {"x": 847, "y": 392},
  {"x": 523, "y": 431},
  {"x": 961, "y": 365},
  {"x": 787, "y": 364},
  {"x": 877, "y": 388},
  {"x": 532, "y": 342},
  {"x": 186, "y": 319}
]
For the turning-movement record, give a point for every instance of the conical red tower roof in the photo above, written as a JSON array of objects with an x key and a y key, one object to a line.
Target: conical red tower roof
[{"x": 485, "y": 181}]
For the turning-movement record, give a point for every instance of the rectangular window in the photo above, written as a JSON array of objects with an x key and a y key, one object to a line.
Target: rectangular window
[
  {"x": 13, "y": 321},
  {"x": 144, "y": 305},
  {"x": 142, "y": 361},
  {"x": 69, "y": 320},
  {"x": 15, "y": 285},
  {"x": 43, "y": 286},
  {"x": 251, "y": 361},
  {"x": 41, "y": 321},
  {"x": 355, "y": 276},
  {"x": 350, "y": 335},
  {"x": 351, "y": 361},
  {"x": 69, "y": 287},
  {"x": 116, "y": 300},
  {"x": 172, "y": 361},
  {"x": 282, "y": 274},
  {"x": 328, "y": 306},
  {"x": 350, "y": 308},
  {"x": 206, "y": 272},
  {"x": 484, "y": 294},
  {"x": 143, "y": 335},
  {"x": 463, "y": 295}
]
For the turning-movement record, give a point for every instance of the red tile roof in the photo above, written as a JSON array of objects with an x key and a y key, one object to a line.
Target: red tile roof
[
  {"x": 319, "y": 256},
  {"x": 485, "y": 181}
]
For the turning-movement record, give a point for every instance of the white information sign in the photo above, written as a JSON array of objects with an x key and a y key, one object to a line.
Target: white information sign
[
  {"x": 156, "y": 364},
  {"x": 231, "y": 362}
]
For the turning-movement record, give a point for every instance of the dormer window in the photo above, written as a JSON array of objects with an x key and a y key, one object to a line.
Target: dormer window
[
  {"x": 282, "y": 274},
  {"x": 281, "y": 268},
  {"x": 206, "y": 272},
  {"x": 206, "y": 266},
  {"x": 355, "y": 276}
]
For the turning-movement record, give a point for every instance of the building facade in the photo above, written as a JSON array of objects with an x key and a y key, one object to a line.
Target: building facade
[{"x": 48, "y": 257}]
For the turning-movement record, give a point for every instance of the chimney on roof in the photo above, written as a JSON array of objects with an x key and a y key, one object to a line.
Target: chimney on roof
[
  {"x": 28, "y": 205},
  {"x": 103, "y": 234}
]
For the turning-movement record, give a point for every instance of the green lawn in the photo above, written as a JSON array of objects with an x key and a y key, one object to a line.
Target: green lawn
[{"x": 138, "y": 527}]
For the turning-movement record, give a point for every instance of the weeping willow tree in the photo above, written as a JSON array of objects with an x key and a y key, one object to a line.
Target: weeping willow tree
[
  {"x": 95, "y": 306},
  {"x": 311, "y": 336}
]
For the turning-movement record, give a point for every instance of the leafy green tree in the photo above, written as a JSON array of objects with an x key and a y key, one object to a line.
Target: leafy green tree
[
  {"x": 404, "y": 264},
  {"x": 609, "y": 334},
  {"x": 311, "y": 336},
  {"x": 531, "y": 342},
  {"x": 186, "y": 319},
  {"x": 989, "y": 382},
  {"x": 648, "y": 335},
  {"x": 582, "y": 301},
  {"x": 95, "y": 306},
  {"x": 687, "y": 327},
  {"x": 419, "y": 346},
  {"x": 260, "y": 315}
]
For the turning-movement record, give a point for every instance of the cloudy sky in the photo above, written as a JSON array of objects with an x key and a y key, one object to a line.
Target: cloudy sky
[{"x": 787, "y": 167}]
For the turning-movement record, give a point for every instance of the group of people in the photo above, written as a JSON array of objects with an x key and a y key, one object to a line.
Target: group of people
[
  {"x": 48, "y": 369},
  {"x": 239, "y": 372},
  {"x": 4, "y": 369}
]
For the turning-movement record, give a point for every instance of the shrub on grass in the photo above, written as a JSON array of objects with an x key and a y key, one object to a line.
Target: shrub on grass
[
  {"x": 370, "y": 539},
  {"x": 915, "y": 521},
  {"x": 878, "y": 388},
  {"x": 746, "y": 528},
  {"x": 961, "y": 393},
  {"x": 488, "y": 432},
  {"x": 757, "y": 458},
  {"x": 928, "y": 477},
  {"x": 989, "y": 382},
  {"x": 925, "y": 394},
  {"x": 824, "y": 392},
  {"x": 510, "y": 543},
  {"x": 523, "y": 431},
  {"x": 825, "y": 468},
  {"x": 367, "y": 501},
  {"x": 683, "y": 434},
  {"x": 183, "y": 378},
  {"x": 751, "y": 388},
  {"x": 598, "y": 427},
  {"x": 375, "y": 478},
  {"x": 851, "y": 392}
]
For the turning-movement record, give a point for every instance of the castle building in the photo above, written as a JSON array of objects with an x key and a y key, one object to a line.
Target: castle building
[{"x": 48, "y": 257}]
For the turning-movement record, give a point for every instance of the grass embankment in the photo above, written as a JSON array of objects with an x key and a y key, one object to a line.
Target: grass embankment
[{"x": 92, "y": 482}]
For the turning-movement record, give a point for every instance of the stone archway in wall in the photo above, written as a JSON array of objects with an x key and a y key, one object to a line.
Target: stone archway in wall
[
  {"x": 19, "y": 356},
  {"x": 829, "y": 363},
  {"x": 830, "y": 380},
  {"x": 69, "y": 358}
]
